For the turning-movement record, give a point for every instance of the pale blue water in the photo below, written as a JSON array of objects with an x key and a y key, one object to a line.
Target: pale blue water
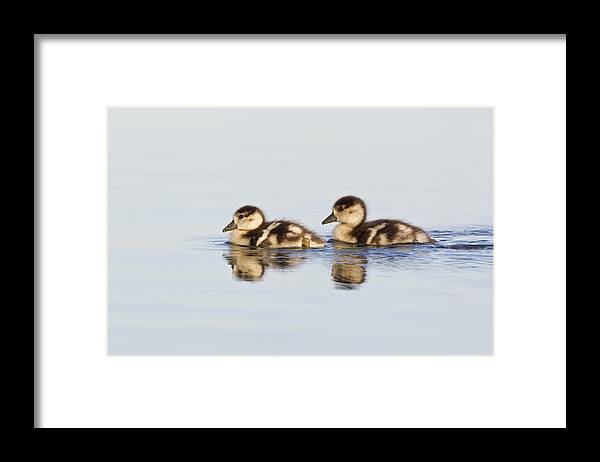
[
  {"x": 205, "y": 296},
  {"x": 177, "y": 175}
]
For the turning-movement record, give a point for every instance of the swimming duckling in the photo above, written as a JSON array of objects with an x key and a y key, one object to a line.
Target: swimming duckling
[
  {"x": 351, "y": 213},
  {"x": 250, "y": 228}
]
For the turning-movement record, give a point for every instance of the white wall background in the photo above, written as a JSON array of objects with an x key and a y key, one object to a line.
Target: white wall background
[{"x": 522, "y": 385}]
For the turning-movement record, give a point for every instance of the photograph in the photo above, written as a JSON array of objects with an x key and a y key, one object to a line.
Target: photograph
[{"x": 300, "y": 230}]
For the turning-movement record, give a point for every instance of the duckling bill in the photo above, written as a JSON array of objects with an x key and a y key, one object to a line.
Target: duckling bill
[
  {"x": 250, "y": 228},
  {"x": 353, "y": 227}
]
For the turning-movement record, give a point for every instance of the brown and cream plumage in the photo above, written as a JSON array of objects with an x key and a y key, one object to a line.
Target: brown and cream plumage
[
  {"x": 351, "y": 213},
  {"x": 250, "y": 228}
]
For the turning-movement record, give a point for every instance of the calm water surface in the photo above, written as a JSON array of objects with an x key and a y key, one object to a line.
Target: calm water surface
[{"x": 203, "y": 295}]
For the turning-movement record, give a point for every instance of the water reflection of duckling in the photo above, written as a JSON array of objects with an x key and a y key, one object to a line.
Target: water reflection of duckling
[
  {"x": 348, "y": 269},
  {"x": 249, "y": 228},
  {"x": 250, "y": 264},
  {"x": 351, "y": 213}
]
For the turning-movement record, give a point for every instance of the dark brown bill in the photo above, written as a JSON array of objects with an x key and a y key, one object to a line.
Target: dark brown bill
[
  {"x": 230, "y": 226},
  {"x": 330, "y": 219}
]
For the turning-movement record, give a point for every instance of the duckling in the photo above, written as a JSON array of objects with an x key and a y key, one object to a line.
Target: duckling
[
  {"x": 351, "y": 213},
  {"x": 250, "y": 228}
]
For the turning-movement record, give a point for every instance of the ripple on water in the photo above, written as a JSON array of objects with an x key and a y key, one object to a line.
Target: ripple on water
[{"x": 459, "y": 248}]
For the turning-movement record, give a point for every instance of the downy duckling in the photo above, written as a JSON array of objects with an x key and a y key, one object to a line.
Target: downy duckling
[
  {"x": 351, "y": 213},
  {"x": 250, "y": 228}
]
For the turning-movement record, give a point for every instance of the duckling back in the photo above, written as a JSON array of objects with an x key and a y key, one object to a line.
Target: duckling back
[
  {"x": 281, "y": 234},
  {"x": 389, "y": 232}
]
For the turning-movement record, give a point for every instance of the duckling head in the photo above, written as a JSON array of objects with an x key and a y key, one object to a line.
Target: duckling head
[
  {"x": 349, "y": 210},
  {"x": 246, "y": 218}
]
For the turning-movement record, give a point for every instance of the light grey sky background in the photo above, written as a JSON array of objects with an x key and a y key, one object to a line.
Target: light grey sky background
[{"x": 432, "y": 167}]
